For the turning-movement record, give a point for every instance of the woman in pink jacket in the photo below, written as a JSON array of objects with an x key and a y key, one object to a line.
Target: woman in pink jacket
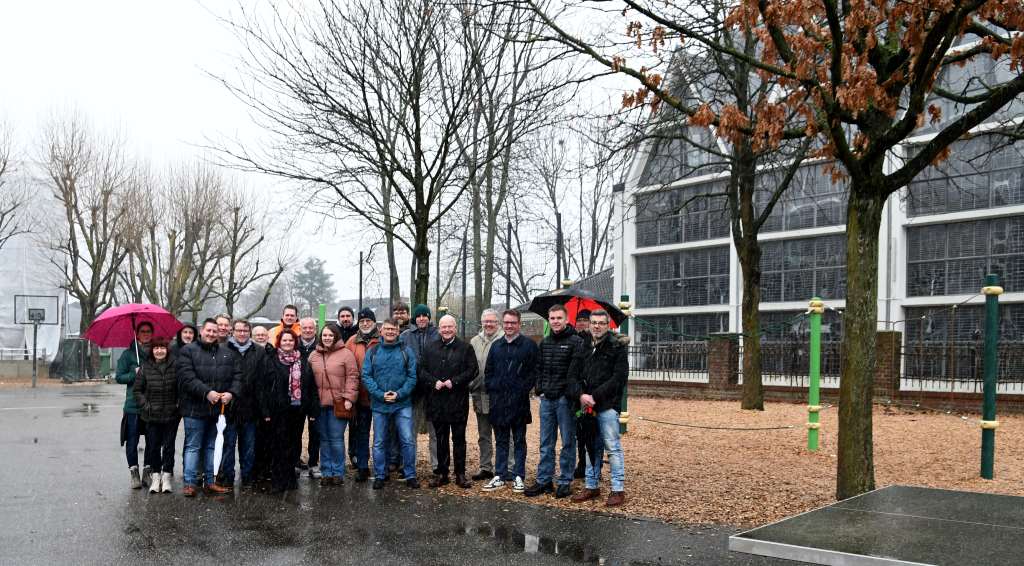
[{"x": 337, "y": 380}]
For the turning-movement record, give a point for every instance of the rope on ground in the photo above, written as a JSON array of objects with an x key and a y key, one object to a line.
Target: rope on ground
[{"x": 704, "y": 427}]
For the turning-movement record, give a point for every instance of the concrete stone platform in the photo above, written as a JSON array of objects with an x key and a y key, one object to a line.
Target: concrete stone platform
[{"x": 898, "y": 525}]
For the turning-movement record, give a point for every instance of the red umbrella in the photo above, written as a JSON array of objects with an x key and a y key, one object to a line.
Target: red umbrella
[
  {"x": 574, "y": 301},
  {"x": 116, "y": 326}
]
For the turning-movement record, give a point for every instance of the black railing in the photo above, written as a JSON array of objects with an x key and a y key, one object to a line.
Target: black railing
[
  {"x": 787, "y": 364},
  {"x": 958, "y": 367},
  {"x": 677, "y": 361}
]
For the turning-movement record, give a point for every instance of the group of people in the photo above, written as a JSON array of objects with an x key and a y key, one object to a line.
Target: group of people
[{"x": 399, "y": 378}]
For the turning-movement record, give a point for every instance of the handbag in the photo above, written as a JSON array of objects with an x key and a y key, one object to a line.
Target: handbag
[{"x": 340, "y": 412}]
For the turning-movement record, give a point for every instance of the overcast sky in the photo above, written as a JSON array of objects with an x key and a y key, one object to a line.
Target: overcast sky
[{"x": 141, "y": 67}]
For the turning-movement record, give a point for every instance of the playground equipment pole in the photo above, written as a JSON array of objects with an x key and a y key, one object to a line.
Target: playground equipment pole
[
  {"x": 814, "y": 395},
  {"x": 322, "y": 319},
  {"x": 624, "y": 329},
  {"x": 989, "y": 424}
]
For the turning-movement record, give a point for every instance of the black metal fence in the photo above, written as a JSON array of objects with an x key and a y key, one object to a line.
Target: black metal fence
[
  {"x": 787, "y": 364},
  {"x": 676, "y": 362},
  {"x": 958, "y": 367}
]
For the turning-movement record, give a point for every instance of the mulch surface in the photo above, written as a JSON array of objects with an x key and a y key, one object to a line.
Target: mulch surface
[{"x": 689, "y": 475}]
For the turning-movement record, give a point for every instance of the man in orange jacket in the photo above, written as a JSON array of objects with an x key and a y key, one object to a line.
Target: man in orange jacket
[{"x": 289, "y": 319}]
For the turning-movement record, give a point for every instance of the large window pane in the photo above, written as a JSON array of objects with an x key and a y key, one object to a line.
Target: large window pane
[
  {"x": 953, "y": 259},
  {"x": 684, "y": 278},
  {"x": 796, "y": 270},
  {"x": 979, "y": 173}
]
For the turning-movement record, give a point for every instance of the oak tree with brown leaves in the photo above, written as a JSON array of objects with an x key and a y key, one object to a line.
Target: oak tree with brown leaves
[{"x": 860, "y": 78}]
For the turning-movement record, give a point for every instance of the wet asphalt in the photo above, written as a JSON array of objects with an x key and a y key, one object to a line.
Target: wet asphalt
[{"x": 64, "y": 499}]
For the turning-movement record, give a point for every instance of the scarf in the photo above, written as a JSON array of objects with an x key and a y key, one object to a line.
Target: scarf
[
  {"x": 294, "y": 360},
  {"x": 241, "y": 347}
]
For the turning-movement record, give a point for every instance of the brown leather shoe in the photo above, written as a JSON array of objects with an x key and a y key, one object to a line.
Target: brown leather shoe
[
  {"x": 188, "y": 491},
  {"x": 461, "y": 481},
  {"x": 217, "y": 489},
  {"x": 586, "y": 494},
  {"x": 615, "y": 499}
]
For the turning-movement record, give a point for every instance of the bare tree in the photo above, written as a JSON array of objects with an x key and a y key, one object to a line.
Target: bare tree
[
  {"x": 13, "y": 196},
  {"x": 251, "y": 259},
  {"x": 362, "y": 96},
  {"x": 88, "y": 177}
]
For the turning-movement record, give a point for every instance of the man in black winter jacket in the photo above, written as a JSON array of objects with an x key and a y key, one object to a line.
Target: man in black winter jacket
[
  {"x": 306, "y": 346},
  {"x": 558, "y": 350},
  {"x": 446, "y": 368},
  {"x": 245, "y": 414},
  {"x": 208, "y": 380},
  {"x": 598, "y": 377}
]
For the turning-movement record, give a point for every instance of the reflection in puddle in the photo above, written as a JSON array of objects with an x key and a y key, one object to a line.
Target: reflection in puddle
[
  {"x": 86, "y": 410},
  {"x": 517, "y": 541},
  {"x": 85, "y": 393}
]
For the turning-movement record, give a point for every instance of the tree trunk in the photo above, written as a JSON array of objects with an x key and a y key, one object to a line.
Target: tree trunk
[
  {"x": 855, "y": 473},
  {"x": 753, "y": 392},
  {"x": 421, "y": 260}
]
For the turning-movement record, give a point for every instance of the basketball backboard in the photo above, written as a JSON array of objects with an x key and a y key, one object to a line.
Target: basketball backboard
[{"x": 37, "y": 309}]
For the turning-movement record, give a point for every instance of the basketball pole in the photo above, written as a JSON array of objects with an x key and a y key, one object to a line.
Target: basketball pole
[{"x": 35, "y": 358}]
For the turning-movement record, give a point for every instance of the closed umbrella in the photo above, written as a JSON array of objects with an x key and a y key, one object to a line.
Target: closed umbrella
[{"x": 218, "y": 445}]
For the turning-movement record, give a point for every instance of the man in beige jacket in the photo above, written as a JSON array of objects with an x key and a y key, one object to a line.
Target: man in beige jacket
[{"x": 481, "y": 343}]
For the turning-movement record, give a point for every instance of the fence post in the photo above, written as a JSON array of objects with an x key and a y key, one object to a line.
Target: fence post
[
  {"x": 813, "y": 394},
  {"x": 624, "y": 329},
  {"x": 992, "y": 290}
]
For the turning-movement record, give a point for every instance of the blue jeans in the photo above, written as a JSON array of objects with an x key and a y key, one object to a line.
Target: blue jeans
[
  {"x": 402, "y": 419},
  {"x": 131, "y": 444},
  {"x": 501, "y": 442},
  {"x": 359, "y": 437},
  {"x": 556, "y": 419},
  {"x": 608, "y": 424},
  {"x": 244, "y": 436},
  {"x": 201, "y": 434},
  {"x": 332, "y": 443}
]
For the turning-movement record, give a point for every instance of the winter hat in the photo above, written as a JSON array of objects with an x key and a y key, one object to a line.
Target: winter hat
[
  {"x": 420, "y": 310},
  {"x": 583, "y": 315},
  {"x": 367, "y": 313}
]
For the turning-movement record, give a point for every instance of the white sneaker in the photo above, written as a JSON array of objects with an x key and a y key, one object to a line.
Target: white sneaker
[
  {"x": 495, "y": 484},
  {"x": 314, "y": 472},
  {"x": 154, "y": 482},
  {"x": 518, "y": 486},
  {"x": 165, "y": 482}
]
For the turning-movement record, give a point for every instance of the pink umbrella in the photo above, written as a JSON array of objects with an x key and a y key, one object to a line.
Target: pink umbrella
[{"x": 116, "y": 326}]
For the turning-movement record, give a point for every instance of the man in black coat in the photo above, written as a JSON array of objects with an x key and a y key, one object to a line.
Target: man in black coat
[
  {"x": 208, "y": 380},
  {"x": 446, "y": 369},
  {"x": 598, "y": 378},
  {"x": 509, "y": 376},
  {"x": 347, "y": 323},
  {"x": 245, "y": 414},
  {"x": 557, "y": 412},
  {"x": 306, "y": 346}
]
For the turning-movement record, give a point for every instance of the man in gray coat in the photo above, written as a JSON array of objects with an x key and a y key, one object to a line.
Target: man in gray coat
[{"x": 481, "y": 405}]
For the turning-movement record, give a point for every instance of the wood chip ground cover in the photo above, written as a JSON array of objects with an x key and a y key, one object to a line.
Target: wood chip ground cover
[{"x": 700, "y": 476}]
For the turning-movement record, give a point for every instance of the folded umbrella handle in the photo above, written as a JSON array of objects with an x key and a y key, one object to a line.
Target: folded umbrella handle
[{"x": 222, "y": 408}]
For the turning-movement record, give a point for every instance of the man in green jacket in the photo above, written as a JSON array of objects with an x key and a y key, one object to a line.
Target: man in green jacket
[{"x": 127, "y": 369}]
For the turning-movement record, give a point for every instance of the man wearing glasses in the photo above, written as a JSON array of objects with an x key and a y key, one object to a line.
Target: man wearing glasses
[
  {"x": 597, "y": 382},
  {"x": 245, "y": 411}
]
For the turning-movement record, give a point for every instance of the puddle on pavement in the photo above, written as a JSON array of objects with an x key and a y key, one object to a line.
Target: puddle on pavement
[
  {"x": 86, "y": 410},
  {"x": 86, "y": 393},
  {"x": 526, "y": 543}
]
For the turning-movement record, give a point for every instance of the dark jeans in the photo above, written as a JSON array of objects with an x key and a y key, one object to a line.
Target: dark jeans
[
  {"x": 160, "y": 438},
  {"x": 286, "y": 447},
  {"x": 245, "y": 439},
  {"x": 131, "y": 444},
  {"x": 359, "y": 437},
  {"x": 458, "y": 437},
  {"x": 501, "y": 438}
]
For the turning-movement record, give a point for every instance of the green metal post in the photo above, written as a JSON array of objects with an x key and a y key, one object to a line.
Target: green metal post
[
  {"x": 624, "y": 329},
  {"x": 814, "y": 392},
  {"x": 989, "y": 424},
  {"x": 322, "y": 319}
]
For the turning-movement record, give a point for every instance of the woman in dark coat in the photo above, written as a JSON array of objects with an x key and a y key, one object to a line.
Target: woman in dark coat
[
  {"x": 156, "y": 395},
  {"x": 290, "y": 396}
]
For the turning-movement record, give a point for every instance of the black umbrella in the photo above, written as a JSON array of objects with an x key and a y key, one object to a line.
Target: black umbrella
[{"x": 575, "y": 300}]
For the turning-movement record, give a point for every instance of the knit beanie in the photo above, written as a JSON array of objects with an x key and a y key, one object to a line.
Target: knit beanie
[
  {"x": 367, "y": 312},
  {"x": 420, "y": 310}
]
